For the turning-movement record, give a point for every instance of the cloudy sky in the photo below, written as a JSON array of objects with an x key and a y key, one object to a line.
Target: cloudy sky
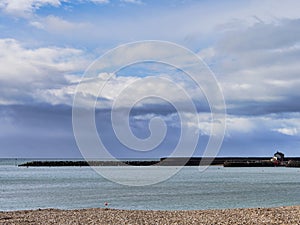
[{"x": 252, "y": 47}]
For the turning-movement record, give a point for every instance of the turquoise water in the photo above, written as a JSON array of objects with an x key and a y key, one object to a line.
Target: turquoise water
[{"x": 217, "y": 187}]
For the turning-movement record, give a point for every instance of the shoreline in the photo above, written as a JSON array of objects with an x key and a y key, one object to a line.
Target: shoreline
[{"x": 276, "y": 215}]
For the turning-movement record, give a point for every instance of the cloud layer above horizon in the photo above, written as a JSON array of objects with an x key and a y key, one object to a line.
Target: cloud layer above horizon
[{"x": 252, "y": 47}]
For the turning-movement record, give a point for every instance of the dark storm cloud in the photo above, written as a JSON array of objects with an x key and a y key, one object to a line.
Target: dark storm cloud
[
  {"x": 256, "y": 108},
  {"x": 36, "y": 131},
  {"x": 43, "y": 130}
]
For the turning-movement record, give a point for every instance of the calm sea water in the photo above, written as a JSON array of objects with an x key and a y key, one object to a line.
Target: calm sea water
[{"x": 217, "y": 187}]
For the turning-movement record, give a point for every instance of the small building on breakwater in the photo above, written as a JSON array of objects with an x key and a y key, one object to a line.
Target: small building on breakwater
[{"x": 277, "y": 160}]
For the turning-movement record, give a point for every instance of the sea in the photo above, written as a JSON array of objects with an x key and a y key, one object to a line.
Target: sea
[{"x": 216, "y": 187}]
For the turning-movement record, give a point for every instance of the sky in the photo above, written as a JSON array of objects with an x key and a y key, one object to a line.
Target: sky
[{"x": 252, "y": 47}]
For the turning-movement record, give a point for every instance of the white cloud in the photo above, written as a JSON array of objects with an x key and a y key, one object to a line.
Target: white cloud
[
  {"x": 19, "y": 61},
  {"x": 100, "y": 1},
  {"x": 287, "y": 131},
  {"x": 128, "y": 88},
  {"x": 54, "y": 24},
  {"x": 45, "y": 74},
  {"x": 25, "y": 72},
  {"x": 257, "y": 66},
  {"x": 24, "y": 8},
  {"x": 132, "y": 1},
  {"x": 287, "y": 124},
  {"x": 234, "y": 124}
]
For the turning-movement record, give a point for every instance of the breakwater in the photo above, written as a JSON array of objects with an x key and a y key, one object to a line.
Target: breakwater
[
  {"x": 262, "y": 163},
  {"x": 293, "y": 163},
  {"x": 87, "y": 163},
  {"x": 251, "y": 164},
  {"x": 175, "y": 161}
]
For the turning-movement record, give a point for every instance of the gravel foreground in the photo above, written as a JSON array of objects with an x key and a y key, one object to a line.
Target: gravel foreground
[{"x": 280, "y": 215}]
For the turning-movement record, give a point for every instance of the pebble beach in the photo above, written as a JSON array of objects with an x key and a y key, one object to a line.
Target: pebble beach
[{"x": 279, "y": 215}]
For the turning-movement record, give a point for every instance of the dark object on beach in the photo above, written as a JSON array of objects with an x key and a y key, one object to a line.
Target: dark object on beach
[{"x": 106, "y": 205}]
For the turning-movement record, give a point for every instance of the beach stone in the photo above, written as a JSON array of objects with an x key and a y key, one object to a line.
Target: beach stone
[{"x": 281, "y": 215}]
